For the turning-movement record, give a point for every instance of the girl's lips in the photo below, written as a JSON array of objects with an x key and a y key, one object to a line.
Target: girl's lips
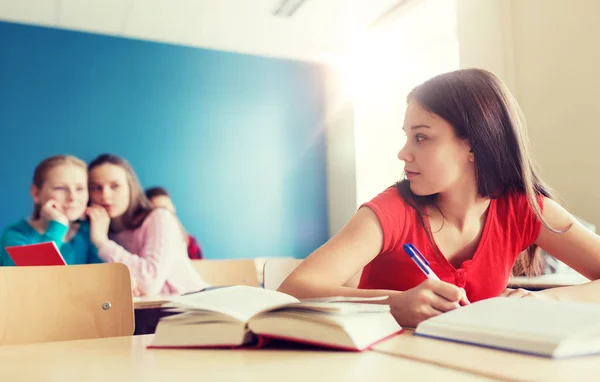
[{"x": 410, "y": 174}]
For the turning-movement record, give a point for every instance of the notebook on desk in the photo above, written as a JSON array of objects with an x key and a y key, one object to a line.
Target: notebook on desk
[
  {"x": 547, "y": 281},
  {"x": 547, "y": 328},
  {"x": 247, "y": 316},
  {"x": 46, "y": 253}
]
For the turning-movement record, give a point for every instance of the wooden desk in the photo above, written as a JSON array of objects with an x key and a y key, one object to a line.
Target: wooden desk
[
  {"x": 127, "y": 359},
  {"x": 547, "y": 281},
  {"x": 489, "y": 362},
  {"x": 149, "y": 302}
]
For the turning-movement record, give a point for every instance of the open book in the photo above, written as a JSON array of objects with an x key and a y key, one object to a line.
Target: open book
[
  {"x": 247, "y": 316},
  {"x": 546, "y": 328}
]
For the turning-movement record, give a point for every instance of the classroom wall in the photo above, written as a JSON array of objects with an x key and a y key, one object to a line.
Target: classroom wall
[
  {"x": 547, "y": 53},
  {"x": 237, "y": 139},
  {"x": 397, "y": 59},
  {"x": 557, "y": 52},
  {"x": 367, "y": 99},
  {"x": 484, "y": 30},
  {"x": 341, "y": 150}
]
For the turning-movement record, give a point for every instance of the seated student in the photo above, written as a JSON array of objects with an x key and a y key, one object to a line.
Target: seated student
[
  {"x": 470, "y": 202},
  {"x": 160, "y": 198},
  {"x": 127, "y": 229},
  {"x": 60, "y": 195}
]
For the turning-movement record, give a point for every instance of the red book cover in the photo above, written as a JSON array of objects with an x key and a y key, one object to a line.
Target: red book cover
[{"x": 36, "y": 254}]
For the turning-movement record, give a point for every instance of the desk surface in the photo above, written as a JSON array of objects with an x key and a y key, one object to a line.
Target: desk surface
[
  {"x": 488, "y": 362},
  {"x": 547, "y": 281},
  {"x": 127, "y": 359},
  {"x": 150, "y": 302},
  {"x": 539, "y": 282}
]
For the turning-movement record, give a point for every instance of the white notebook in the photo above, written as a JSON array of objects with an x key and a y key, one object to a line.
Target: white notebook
[{"x": 541, "y": 327}]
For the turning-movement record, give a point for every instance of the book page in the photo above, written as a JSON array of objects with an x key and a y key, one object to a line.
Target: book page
[
  {"x": 325, "y": 308},
  {"x": 337, "y": 307},
  {"x": 240, "y": 302}
]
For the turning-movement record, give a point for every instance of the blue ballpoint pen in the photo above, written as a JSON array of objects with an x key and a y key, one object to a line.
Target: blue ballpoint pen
[{"x": 420, "y": 260}]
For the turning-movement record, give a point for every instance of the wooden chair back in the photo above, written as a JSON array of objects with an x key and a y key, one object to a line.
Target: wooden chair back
[
  {"x": 228, "y": 272},
  {"x": 63, "y": 303}
]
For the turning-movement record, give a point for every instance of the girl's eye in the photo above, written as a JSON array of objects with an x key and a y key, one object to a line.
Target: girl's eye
[
  {"x": 94, "y": 188},
  {"x": 419, "y": 137},
  {"x": 60, "y": 188},
  {"x": 114, "y": 186}
]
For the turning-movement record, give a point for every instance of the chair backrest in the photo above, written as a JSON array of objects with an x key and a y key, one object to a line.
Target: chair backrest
[
  {"x": 277, "y": 269},
  {"x": 61, "y": 303},
  {"x": 228, "y": 272}
]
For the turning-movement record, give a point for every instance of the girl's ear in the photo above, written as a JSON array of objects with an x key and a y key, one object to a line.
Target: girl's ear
[
  {"x": 35, "y": 194},
  {"x": 469, "y": 150}
]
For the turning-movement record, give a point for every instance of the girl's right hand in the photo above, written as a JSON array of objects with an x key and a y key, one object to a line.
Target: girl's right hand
[
  {"x": 51, "y": 210},
  {"x": 99, "y": 224},
  {"x": 428, "y": 299}
]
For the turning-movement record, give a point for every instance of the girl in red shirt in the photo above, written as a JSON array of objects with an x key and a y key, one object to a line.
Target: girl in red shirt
[{"x": 470, "y": 201}]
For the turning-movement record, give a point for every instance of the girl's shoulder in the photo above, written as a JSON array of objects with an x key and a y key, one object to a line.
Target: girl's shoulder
[
  {"x": 517, "y": 202},
  {"x": 159, "y": 216},
  {"x": 389, "y": 201},
  {"x": 515, "y": 213},
  {"x": 19, "y": 233},
  {"x": 21, "y": 227},
  {"x": 394, "y": 215}
]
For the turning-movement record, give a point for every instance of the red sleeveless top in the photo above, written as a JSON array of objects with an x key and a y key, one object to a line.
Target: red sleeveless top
[{"x": 510, "y": 227}]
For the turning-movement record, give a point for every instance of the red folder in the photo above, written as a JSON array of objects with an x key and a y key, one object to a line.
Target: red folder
[{"x": 36, "y": 254}]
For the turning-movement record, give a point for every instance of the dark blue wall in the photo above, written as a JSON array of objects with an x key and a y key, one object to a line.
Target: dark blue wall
[{"x": 237, "y": 139}]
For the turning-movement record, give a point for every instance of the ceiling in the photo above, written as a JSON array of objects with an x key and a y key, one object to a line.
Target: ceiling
[{"x": 316, "y": 31}]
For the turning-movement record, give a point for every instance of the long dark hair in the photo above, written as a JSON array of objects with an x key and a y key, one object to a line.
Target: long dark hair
[
  {"x": 483, "y": 111},
  {"x": 139, "y": 205},
  {"x": 153, "y": 192}
]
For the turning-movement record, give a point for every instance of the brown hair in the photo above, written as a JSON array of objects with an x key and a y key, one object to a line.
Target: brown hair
[
  {"x": 139, "y": 205},
  {"x": 153, "y": 192},
  {"x": 483, "y": 111},
  {"x": 40, "y": 173}
]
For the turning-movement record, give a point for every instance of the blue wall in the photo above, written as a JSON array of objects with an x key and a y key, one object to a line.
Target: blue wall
[{"x": 237, "y": 139}]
